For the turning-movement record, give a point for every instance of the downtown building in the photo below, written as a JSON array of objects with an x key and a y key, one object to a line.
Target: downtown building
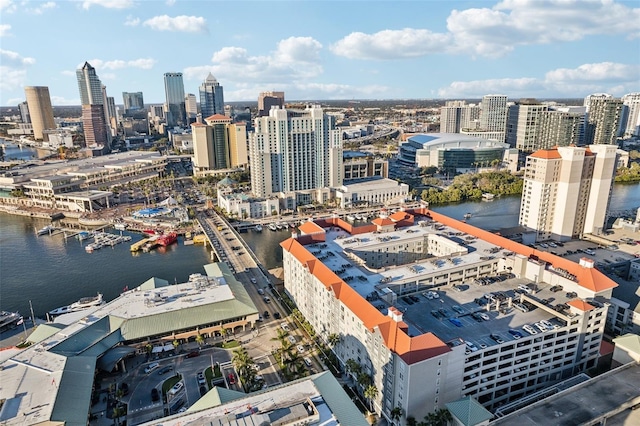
[
  {"x": 95, "y": 115},
  {"x": 457, "y": 116},
  {"x": 631, "y": 126},
  {"x": 567, "y": 191},
  {"x": 406, "y": 304},
  {"x": 267, "y": 100},
  {"x": 175, "y": 111},
  {"x": 39, "y": 110},
  {"x": 211, "y": 97},
  {"x": 296, "y": 155},
  {"x": 604, "y": 123},
  {"x": 218, "y": 145}
]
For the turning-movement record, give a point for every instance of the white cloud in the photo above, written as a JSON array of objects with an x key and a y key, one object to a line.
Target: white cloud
[
  {"x": 606, "y": 77},
  {"x": 4, "y": 30},
  {"x": 116, "y": 64},
  {"x": 14, "y": 58},
  {"x": 391, "y": 44},
  {"x": 132, "y": 22},
  {"x": 298, "y": 49},
  {"x": 60, "y": 100},
  {"x": 39, "y": 10},
  {"x": 12, "y": 78},
  {"x": 182, "y": 23},
  {"x": 170, "y": 2},
  {"x": 109, "y": 4},
  {"x": 68, "y": 73},
  {"x": 8, "y": 6},
  {"x": 494, "y": 32}
]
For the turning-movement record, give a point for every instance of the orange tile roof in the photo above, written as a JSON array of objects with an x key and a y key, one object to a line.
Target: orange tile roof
[
  {"x": 589, "y": 278},
  {"x": 580, "y": 304},
  {"x": 310, "y": 228},
  {"x": 546, "y": 153},
  {"x": 382, "y": 221},
  {"x": 198, "y": 125},
  {"x": 398, "y": 216},
  {"x": 218, "y": 117}
]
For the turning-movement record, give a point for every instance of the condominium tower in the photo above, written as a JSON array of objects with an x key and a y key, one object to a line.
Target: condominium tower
[
  {"x": 457, "y": 115},
  {"x": 94, "y": 110},
  {"x": 604, "y": 117},
  {"x": 266, "y": 100},
  {"x": 567, "y": 191},
  {"x": 174, "y": 94},
  {"x": 522, "y": 124},
  {"x": 40, "y": 110},
  {"x": 632, "y": 126},
  {"x": 493, "y": 116},
  {"x": 218, "y": 144},
  {"x": 133, "y": 101},
  {"x": 211, "y": 97},
  {"x": 295, "y": 150}
]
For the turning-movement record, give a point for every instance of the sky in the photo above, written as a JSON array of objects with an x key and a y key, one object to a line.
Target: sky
[{"x": 323, "y": 49}]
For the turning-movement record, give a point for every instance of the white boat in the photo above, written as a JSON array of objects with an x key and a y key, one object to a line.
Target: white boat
[
  {"x": 46, "y": 230},
  {"x": 351, "y": 218},
  {"x": 278, "y": 226},
  {"x": 358, "y": 217},
  {"x": 120, "y": 226},
  {"x": 467, "y": 215},
  {"x": 258, "y": 228},
  {"x": 487, "y": 196},
  {"x": 80, "y": 305},
  {"x": 272, "y": 227}
]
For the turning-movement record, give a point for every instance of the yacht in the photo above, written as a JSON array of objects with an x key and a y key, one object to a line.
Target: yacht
[
  {"x": 273, "y": 227},
  {"x": 80, "y": 305},
  {"x": 46, "y": 230}
]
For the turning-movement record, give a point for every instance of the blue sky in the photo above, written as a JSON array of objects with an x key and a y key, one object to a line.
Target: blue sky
[{"x": 324, "y": 49}]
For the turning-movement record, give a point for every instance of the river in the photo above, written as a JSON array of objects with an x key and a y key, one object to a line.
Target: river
[{"x": 52, "y": 272}]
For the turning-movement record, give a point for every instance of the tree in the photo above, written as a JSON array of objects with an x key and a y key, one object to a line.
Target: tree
[
  {"x": 176, "y": 344},
  {"x": 353, "y": 367},
  {"x": 199, "y": 339},
  {"x": 333, "y": 339},
  {"x": 396, "y": 413},
  {"x": 411, "y": 421},
  {"x": 371, "y": 392},
  {"x": 223, "y": 332}
]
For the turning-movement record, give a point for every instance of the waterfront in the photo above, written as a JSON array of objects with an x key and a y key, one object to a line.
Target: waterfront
[
  {"x": 14, "y": 152},
  {"x": 51, "y": 272}
]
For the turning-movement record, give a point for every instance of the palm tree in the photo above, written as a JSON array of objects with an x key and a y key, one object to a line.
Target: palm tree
[
  {"x": 371, "y": 392},
  {"x": 411, "y": 421},
  {"x": 223, "y": 332},
  {"x": 333, "y": 339},
  {"x": 243, "y": 364},
  {"x": 353, "y": 367},
  {"x": 176, "y": 344},
  {"x": 443, "y": 416},
  {"x": 396, "y": 413},
  {"x": 199, "y": 339}
]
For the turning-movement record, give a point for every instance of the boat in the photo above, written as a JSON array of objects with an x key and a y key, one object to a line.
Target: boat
[
  {"x": 487, "y": 196},
  {"x": 358, "y": 217},
  {"x": 351, "y": 218},
  {"x": 278, "y": 226},
  {"x": 272, "y": 227},
  {"x": 150, "y": 232},
  {"x": 258, "y": 228},
  {"x": 46, "y": 230},
  {"x": 467, "y": 215},
  {"x": 9, "y": 320},
  {"x": 167, "y": 239},
  {"x": 80, "y": 305},
  {"x": 83, "y": 235},
  {"x": 89, "y": 248},
  {"x": 120, "y": 226}
]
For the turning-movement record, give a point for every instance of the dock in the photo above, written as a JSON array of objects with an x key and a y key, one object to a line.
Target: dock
[{"x": 138, "y": 246}]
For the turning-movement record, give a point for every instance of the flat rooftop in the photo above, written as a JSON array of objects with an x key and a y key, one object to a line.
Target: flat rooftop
[
  {"x": 611, "y": 395},
  {"x": 417, "y": 308}
]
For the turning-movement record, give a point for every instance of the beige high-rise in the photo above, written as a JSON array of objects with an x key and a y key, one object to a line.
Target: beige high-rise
[
  {"x": 219, "y": 144},
  {"x": 40, "y": 109},
  {"x": 567, "y": 191}
]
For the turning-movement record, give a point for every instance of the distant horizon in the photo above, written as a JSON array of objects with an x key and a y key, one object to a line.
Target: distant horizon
[{"x": 383, "y": 49}]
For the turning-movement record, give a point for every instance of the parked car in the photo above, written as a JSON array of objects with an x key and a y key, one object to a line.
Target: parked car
[
  {"x": 166, "y": 369},
  {"x": 529, "y": 329},
  {"x": 155, "y": 395},
  {"x": 455, "y": 322},
  {"x": 231, "y": 378},
  {"x": 516, "y": 334},
  {"x": 276, "y": 315},
  {"x": 193, "y": 354},
  {"x": 497, "y": 338},
  {"x": 285, "y": 326},
  {"x": 201, "y": 379},
  {"x": 291, "y": 339},
  {"x": 300, "y": 348}
]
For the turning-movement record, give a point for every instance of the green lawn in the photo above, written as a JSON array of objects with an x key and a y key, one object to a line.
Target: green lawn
[
  {"x": 168, "y": 384},
  {"x": 209, "y": 376},
  {"x": 228, "y": 345}
]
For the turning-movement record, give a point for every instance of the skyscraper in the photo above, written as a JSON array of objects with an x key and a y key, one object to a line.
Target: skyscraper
[
  {"x": 632, "y": 126},
  {"x": 174, "y": 92},
  {"x": 493, "y": 116},
  {"x": 522, "y": 124},
  {"x": 219, "y": 144},
  {"x": 567, "y": 191},
  {"x": 211, "y": 97},
  {"x": 93, "y": 98},
  {"x": 133, "y": 101},
  {"x": 40, "y": 110},
  {"x": 25, "y": 117},
  {"x": 593, "y": 97},
  {"x": 604, "y": 116},
  {"x": 266, "y": 100},
  {"x": 191, "y": 107},
  {"x": 295, "y": 150},
  {"x": 559, "y": 128}
]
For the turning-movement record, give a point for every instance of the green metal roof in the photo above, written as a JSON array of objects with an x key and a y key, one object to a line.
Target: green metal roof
[
  {"x": 469, "y": 411},
  {"x": 73, "y": 401},
  {"x": 214, "y": 398},
  {"x": 630, "y": 342},
  {"x": 344, "y": 410},
  {"x": 84, "y": 338},
  {"x": 44, "y": 331},
  {"x": 153, "y": 283}
]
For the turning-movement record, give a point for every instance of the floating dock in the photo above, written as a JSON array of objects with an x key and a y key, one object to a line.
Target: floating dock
[{"x": 138, "y": 246}]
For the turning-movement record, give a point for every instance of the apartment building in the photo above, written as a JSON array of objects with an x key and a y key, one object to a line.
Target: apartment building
[
  {"x": 567, "y": 190},
  {"x": 218, "y": 145},
  {"x": 604, "y": 118},
  {"x": 522, "y": 124},
  {"x": 433, "y": 310}
]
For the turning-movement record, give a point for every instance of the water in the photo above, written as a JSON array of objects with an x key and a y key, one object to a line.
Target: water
[
  {"x": 14, "y": 152},
  {"x": 51, "y": 272}
]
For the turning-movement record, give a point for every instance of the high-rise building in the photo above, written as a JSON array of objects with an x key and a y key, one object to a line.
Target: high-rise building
[
  {"x": 295, "y": 150},
  {"x": 522, "y": 124},
  {"x": 603, "y": 123},
  {"x": 132, "y": 101},
  {"x": 266, "y": 100},
  {"x": 493, "y": 115},
  {"x": 93, "y": 97},
  {"x": 191, "y": 107},
  {"x": 211, "y": 97},
  {"x": 218, "y": 144},
  {"x": 456, "y": 116},
  {"x": 632, "y": 126},
  {"x": 40, "y": 110},
  {"x": 25, "y": 117},
  {"x": 567, "y": 191},
  {"x": 593, "y": 97},
  {"x": 174, "y": 92},
  {"x": 560, "y": 127}
]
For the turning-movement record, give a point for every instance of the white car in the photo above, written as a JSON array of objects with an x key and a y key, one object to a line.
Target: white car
[
  {"x": 529, "y": 329},
  {"x": 540, "y": 327},
  {"x": 472, "y": 346},
  {"x": 285, "y": 326},
  {"x": 547, "y": 324},
  {"x": 253, "y": 280},
  {"x": 484, "y": 316},
  {"x": 291, "y": 339},
  {"x": 300, "y": 348}
]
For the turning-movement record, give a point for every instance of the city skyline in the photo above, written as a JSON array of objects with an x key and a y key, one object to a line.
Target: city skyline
[{"x": 340, "y": 50}]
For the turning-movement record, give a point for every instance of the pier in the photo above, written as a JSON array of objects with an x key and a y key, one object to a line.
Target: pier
[{"x": 138, "y": 246}]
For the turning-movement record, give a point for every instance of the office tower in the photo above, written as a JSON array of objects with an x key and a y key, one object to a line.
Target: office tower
[
  {"x": 174, "y": 92},
  {"x": 266, "y": 100},
  {"x": 23, "y": 107},
  {"x": 191, "y": 107},
  {"x": 295, "y": 150},
  {"x": 559, "y": 128},
  {"x": 567, "y": 190},
  {"x": 219, "y": 144},
  {"x": 156, "y": 111},
  {"x": 92, "y": 96},
  {"x": 211, "y": 97},
  {"x": 132, "y": 101},
  {"x": 40, "y": 110},
  {"x": 632, "y": 125},
  {"x": 493, "y": 116},
  {"x": 603, "y": 121},
  {"x": 593, "y": 97},
  {"x": 522, "y": 124},
  {"x": 450, "y": 116}
]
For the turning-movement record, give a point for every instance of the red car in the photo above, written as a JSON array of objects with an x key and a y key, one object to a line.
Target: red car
[
  {"x": 232, "y": 379},
  {"x": 193, "y": 354}
]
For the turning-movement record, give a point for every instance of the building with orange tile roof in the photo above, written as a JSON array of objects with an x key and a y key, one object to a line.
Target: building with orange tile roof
[
  {"x": 410, "y": 308},
  {"x": 566, "y": 191},
  {"x": 218, "y": 146}
]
